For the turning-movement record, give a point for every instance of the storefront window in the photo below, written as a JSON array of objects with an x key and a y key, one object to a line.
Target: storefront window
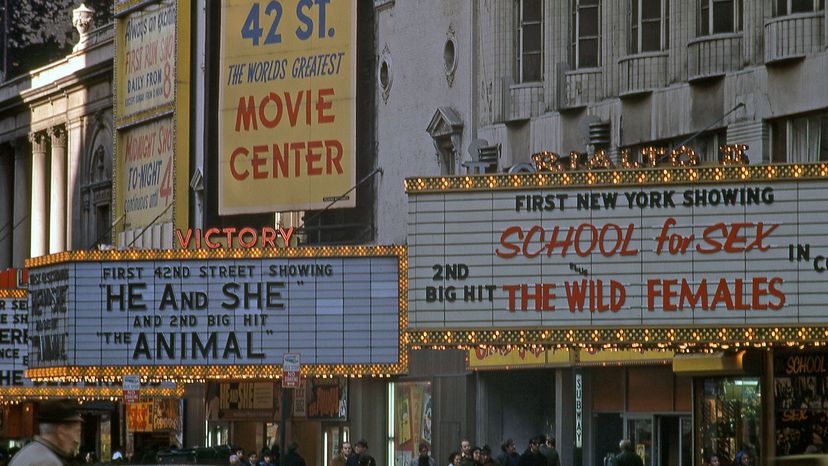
[
  {"x": 640, "y": 433},
  {"x": 411, "y": 419},
  {"x": 686, "y": 441},
  {"x": 729, "y": 411},
  {"x": 801, "y": 403}
]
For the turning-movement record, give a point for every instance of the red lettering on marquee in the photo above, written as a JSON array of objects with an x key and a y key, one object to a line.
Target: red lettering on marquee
[
  {"x": 672, "y": 295},
  {"x": 247, "y": 237},
  {"x": 585, "y": 239}
]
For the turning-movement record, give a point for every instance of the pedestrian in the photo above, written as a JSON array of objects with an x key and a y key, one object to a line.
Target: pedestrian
[
  {"x": 292, "y": 457},
  {"x": 509, "y": 457},
  {"x": 344, "y": 452},
  {"x": 360, "y": 448},
  {"x": 486, "y": 456},
  {"x": 532, "y": 456},
  {"x": 253, "y": 458},
  {"x": 454, "y": 459},
  {"x": 548, "y": 450},
  {"x": 714, "y": 460},
  {"x": 465, "y": 449},
  {"x": 627, "y": 456},
  {"x": 424, "y": 459},
  {"x": 476, "y": 455},
  {"x": 367, "y": 460},
  {"x": 470, "y": 460},
  {"x": 59, "y": 439},
  {"x": 266, "y": 460},
  {"x": 234, "y": 460},
  {"x": 242, "y": 459},
  {"x": 743, "y": 458}
]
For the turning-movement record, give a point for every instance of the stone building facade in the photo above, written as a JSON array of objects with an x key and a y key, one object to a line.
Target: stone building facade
[
  {"x": 483, "y": 85},
  {"x": 56, "y": 144}
]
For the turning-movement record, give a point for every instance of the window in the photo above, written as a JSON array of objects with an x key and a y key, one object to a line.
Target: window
[
  {"x": 719, "y": 16},
  {"x": 586, "y": 34},
  {"x": 96, "y": 196},
  {"x": 640, "y": 433},
  {"x": 787, "y": 7},
  {"x": 800, "y": 139},
  {"x": 530, "y": 41},
  {"x": 649, "y": 23},
  {"x": 730, "y": 417},
  {"x": 707, "y": 145}
]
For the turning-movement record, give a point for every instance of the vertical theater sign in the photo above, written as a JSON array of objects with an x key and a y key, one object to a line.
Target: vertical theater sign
[{"x": 152, "y": 120}]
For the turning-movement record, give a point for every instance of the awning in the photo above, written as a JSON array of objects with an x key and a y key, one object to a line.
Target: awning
[{"x": 718, "y": 363}]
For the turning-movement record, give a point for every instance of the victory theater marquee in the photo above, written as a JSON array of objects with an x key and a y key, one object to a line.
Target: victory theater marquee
[
  {"x": 210, "y": 314},
  {"x": 706, "y": 256}
]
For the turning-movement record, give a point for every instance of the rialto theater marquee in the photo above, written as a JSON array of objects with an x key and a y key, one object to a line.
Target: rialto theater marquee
[{"x": 709, "y": 256}]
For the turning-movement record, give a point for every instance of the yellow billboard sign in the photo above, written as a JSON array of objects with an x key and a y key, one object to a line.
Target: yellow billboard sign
[
  {"x": 287, "y": 101},
  {"x": 146, "y": 171},
  {"x": 599, "y": 357},
  {"x": 504, "y": 357},
  {"x": 146, "y": 58},
  {"x": 152, "y": 112}
]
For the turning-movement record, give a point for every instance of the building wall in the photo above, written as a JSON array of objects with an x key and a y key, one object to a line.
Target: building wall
[
  {"x": 772, "y": 67},
  {"x": 411, "y": 37},
  {"x": 516, "y": 404},
  {"x": 367, "y": 416},
  {"x": 453, "y": 392}
]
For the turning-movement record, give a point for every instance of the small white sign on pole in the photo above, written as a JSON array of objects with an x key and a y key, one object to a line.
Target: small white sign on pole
[
  {"x": 132, "y": 388},
  {"x": 291, "y": 366}
]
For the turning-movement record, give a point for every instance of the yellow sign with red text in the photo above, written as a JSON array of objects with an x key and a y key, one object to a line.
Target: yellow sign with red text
[
  {"x": 147, "y": 171},
  {"x": 139, "y": 417},
  {"x": 502, "y": 357},
  {"x": 287, "y": 101}
]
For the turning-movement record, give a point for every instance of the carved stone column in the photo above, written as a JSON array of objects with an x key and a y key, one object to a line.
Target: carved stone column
[
  {"x": 57, "y": 198},
  {"x": 6, "y": 205},
  {"x": 38, "y": 210},
  {"x": 22, "y": 221}
]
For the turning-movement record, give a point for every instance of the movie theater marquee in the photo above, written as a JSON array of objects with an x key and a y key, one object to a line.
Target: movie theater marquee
[
  {"x": 217, "y": 314},
  {"x": 729, "y": 254}
]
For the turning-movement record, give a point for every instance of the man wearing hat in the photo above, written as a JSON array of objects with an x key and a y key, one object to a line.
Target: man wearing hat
[{"x": 59, "y": 439}]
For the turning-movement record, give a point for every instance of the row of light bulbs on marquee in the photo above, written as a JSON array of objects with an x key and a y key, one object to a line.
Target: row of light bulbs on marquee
[{"x": 656, "y": 166}]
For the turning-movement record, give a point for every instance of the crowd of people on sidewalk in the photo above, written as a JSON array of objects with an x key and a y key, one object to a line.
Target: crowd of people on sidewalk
[
  {"x": 356, "y": 455},
  {"x": 541, "y": 452},
  {"x": 60, "y": 432}
]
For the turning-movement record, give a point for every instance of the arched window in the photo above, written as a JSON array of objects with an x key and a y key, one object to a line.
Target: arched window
[{"x": 96, "y": 191}]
